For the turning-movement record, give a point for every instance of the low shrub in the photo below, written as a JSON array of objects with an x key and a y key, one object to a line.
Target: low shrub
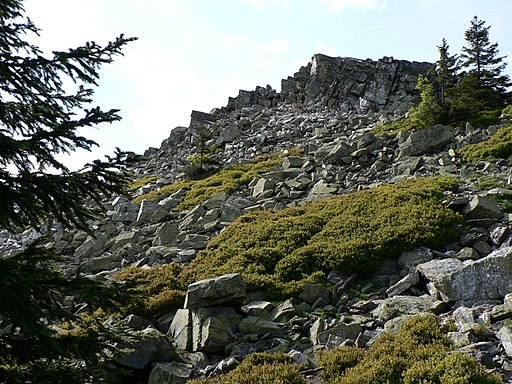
[
  {"x": 260, "y": 368},
  {"x": 136, "y": 184},
  {"x": 418, "y": 354},
  {"x": 227, "y": 180},
  {"x": 498, "y": 146},
  {"x": 280, "y": 251},
  {"x": 152, "y": 291}
]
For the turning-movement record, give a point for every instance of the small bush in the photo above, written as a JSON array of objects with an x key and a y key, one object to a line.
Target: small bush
[
  {"x": 260, "y": 368},
  {"x": 498, "y": 146},
  {"x": 418, "y": 354},
  {"x": 136, "y": 184},
  {"x": 336, "y": 361},
  {"x": 153, "y": 291}
]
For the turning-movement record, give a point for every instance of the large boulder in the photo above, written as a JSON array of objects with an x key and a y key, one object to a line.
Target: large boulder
[
  {"x": 485, "y": 279},
  {"x": 223, "y": 290},
  {"x": 213, "y": 328},
  {"x": 406, "y": 305},
  {"x": 426, "y": 140},
  {"x": 170, "y": 373}
]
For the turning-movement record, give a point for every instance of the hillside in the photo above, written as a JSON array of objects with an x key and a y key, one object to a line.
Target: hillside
[{"x": 282, "y": 223}]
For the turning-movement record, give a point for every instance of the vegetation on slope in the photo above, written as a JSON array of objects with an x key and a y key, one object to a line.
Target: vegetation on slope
[
  {"x": 227, "y": 180},
  {"x": 498, "y": 146},
  {"x": 260, "y": 368},
  {"x": 419, "y": 353},
  {"x": 279, "y": 252}
]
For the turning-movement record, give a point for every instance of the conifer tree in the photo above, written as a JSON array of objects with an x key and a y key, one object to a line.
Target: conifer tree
[
  {"x": 483, "y": 86},
  {"x": 42, "y": 340}
]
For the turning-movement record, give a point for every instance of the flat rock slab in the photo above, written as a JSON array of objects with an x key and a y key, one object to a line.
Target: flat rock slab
[{"x": 225, "y": 290}]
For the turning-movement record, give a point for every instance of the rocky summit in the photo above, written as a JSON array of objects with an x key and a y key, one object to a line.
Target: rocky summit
[{"x": 312, "y": 142}]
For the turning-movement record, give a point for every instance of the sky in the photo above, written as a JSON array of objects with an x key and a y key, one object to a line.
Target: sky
[{"x": 194, "y": 54}]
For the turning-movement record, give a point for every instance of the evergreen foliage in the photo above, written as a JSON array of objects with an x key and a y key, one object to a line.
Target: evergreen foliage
[
  {"x": 39, "y": 119},
  {"x": 498, "y": 146},
  {"x": 470, "y": 87},
  {"x": 419, "y": 353}
]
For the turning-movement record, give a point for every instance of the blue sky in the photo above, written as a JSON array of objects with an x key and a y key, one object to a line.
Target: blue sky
[{"x": 194, "y": 54}]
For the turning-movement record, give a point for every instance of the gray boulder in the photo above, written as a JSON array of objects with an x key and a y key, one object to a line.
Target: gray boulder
[
  {"x": 259, "y": 326},
  {"x": 482, "y": 211},
  {"x": 170, "y": 373},
  {"x": 223, "y": 290},
  {"x": 406, "y": 305},
  {"x": 213, "y": 328},
  {"x": 426, "y": 140},
  {"x": 470, "y": 283}
]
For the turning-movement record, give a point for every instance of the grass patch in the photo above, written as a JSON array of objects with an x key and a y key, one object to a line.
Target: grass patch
[
  {"x": 394, "y": 127},
  {"x": 498, "y": 146},
  {"x": 419, "y": 353},
  {"x": 136, "y": 184},
  {"x": 227, "y": 180}
]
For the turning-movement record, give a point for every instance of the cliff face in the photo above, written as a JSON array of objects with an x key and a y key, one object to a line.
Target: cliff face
[{"x": 344, "y": 84}]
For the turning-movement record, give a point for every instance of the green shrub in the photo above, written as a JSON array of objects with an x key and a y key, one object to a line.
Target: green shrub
[
  {"x": 394, "y": 127},
  {"x": 280, "y": 251},
  {"x": 498, "y": 146},
  {"x": 227, "y": 180},
  {"x": 507, "y": 111},
  {"x": 260, "y": 368},
  {"x": 136, "y": 184},
  {"x": 152, "y": 291},
  {"x": 418, "y": 354},
  {"x": 336, "y": 361}
]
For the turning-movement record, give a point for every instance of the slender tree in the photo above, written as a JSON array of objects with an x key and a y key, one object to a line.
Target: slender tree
[
  {"x": 484, "y": 80},
  {"x": 43, "y": 339}
]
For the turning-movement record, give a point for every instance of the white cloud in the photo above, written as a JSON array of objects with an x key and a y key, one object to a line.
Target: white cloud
[
  {"x": 277, "y": 45},
  {"x": 341, "y": 5}
]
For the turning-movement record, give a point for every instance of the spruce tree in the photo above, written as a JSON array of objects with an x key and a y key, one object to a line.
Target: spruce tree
[
  {"x": 446, "y": 78},
  {"x": 42, "y": 338},
  {"x": 483, "y": 86}
]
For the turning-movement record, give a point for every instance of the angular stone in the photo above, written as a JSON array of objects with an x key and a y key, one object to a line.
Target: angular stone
[
  {"x": 482, "y": 210},
  {"x": 468, "y": 284},
  {"x": 92, "y": 246},
  {"x": 259, "y": 326},
  {"x": 312, "y": 292},
  {"x": 166, "y": 234},
  {"x": 467, "y": 253},
  {"x": 406, "y": 305},
  {"x": 505, "y": 337},
  {"x": 153, "y": 347},
  {"x": 181, "y": 329},
  {"x": 404, "y": 284},
  {"x": 213, "y": 328},
  {"x": 435, "y": 270},
  {"x": 124, "y": 238},
  {"x": 283, "y": 312},
  {"x": 151, "y": 212},
  {"x": 264, "y": 187},
  {"x": 411, "y": 259},
  {"x": 222, "y": 290},
  {"x": 427, "y": 140},
  {"x": 293, "y": 162},
  {"x": 170, "y": 373}
]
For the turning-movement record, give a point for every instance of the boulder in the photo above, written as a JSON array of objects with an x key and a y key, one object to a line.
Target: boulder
[
  {"x": 259, "y": 326},
  {"x": 482, "y": 211},
  {"x": 470, "y": 283},
  {"x": 153, "y": 347},
  {"x": 213, "y": 328},
  {"x": 223, "y": 290},
  {"x": 406, "y": 305},
  {"x": 170, "y": 373},
  {"x": 166, "y": 234},
  {"x": 426, "y": 140},
  {"x": 181, "y": 329},
  {"x": 411, "y": 259}
]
